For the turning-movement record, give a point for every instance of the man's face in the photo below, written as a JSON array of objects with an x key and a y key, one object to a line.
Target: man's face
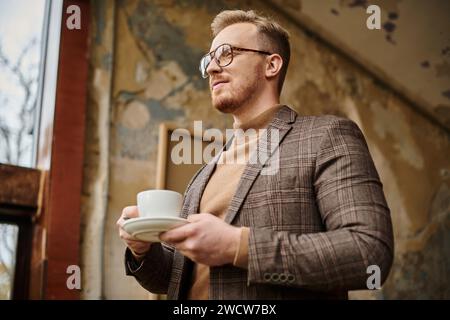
[{"x": 238, "y": 83}]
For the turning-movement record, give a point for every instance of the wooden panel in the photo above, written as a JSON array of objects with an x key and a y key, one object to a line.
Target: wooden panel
[
  {"x": 173, "y": 176},
  {"x": 65, "y": 177},
  {"x": 23, "y": 257},
  {"x": 19, "y": 186}
]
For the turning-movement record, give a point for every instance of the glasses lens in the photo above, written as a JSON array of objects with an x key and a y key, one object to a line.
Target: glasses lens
[
  {"x": 224, "y": 55},
  {"x": 204, "y": 62}
]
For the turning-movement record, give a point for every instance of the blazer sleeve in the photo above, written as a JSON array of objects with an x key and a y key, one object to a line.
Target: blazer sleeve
[
  {"x": 358, "y": 230},
  {"x": 153, "y": 272}
]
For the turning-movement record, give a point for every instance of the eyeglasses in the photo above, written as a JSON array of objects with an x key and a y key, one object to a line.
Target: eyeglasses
[{"x": 223, "y": 55}]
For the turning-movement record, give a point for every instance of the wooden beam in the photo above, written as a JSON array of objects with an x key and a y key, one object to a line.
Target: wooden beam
[
  {"x": 19, "y": 186},
  {"x": 62, "y": 219}
]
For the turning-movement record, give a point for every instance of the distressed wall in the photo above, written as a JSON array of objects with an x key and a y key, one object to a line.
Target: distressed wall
[
  {"x": 144, "y": 70},
  {"x": 411, "y": 51}
]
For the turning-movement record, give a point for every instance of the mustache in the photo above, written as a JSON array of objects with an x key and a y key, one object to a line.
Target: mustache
[{"x": 217, "y": 80}]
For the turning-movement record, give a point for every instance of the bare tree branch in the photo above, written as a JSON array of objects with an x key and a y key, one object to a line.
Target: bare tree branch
[
  {"x": 6, "y": 137},
  {"x": 14, "y": 139},
  {"x": 7, "y": 249}
]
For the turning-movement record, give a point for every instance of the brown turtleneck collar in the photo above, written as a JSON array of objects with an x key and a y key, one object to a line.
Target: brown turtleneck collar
[{"x": 261, "y": 121}]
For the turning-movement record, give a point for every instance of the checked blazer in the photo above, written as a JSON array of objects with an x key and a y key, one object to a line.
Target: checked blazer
[{"x": 316, "y": 224}]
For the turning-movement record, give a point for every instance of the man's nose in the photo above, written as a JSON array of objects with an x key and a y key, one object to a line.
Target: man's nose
[{"x": 213, "y": 67}]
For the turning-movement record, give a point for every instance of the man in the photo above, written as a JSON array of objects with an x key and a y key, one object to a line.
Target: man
[{"x": 309, "y": 230}]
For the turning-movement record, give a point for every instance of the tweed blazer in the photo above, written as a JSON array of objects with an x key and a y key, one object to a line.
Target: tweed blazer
[{"x": 316, "y": 223}]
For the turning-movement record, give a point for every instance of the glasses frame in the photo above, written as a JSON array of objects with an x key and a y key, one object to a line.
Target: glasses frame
[{"x": 232, "y": 49}]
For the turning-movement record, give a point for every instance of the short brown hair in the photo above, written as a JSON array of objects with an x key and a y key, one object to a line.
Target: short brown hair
[{"x": 271, "y": 34}]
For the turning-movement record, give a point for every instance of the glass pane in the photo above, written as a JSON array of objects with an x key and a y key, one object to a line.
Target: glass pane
[
  {"x": 8, "y": 247},
  {"x": 21, "y": 24}
]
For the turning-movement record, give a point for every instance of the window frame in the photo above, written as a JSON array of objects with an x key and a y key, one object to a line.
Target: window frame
[
  {"x": 53, "y": 215},
  {"x": 19, "y": 202}
]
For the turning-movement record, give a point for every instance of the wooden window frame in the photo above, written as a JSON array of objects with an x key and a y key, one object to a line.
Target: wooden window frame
[
  {"x": 19, "y": 202},
  {"x": 45, "y": 202},
  {"x": 56, "y": 242}
]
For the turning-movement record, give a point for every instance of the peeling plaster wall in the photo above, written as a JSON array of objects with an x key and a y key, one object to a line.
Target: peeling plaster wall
[
  {"x": 96, "y": 160},
  {"x": 411, "y": 51},
  {"x": 144, "y": 71}
]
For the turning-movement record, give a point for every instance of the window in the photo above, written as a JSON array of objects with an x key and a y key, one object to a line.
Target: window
[
  {"x": 8, "y": 247},
  {"x": 21, "y": 35},
  {"x": 55, "y": 117},
  {"x": 21, "y": 25}
]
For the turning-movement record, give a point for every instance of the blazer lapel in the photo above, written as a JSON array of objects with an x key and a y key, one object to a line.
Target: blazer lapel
[
  {"x": 282, "y": 123},
  {"x": 181, "y": 264}
]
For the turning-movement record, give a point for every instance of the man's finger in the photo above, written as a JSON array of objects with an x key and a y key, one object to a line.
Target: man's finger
[
  {"x": 197, "y": 217},
  {"x": 133, "y": 241},
  {"x": 177, "y": 234},
  {"x": 126, "y": 236},
  {"x": 127, "y": 213},
  {"x": 193, "y": 217},
  {"x": 130, "y": 212},
  {"x": 120, "y": 222}
]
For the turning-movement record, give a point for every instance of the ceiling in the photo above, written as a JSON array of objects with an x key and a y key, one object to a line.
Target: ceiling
[{"x": 411, "y": 51}]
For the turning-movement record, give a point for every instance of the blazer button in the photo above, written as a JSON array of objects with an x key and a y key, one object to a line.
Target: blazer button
[
  {"x": 267, "y": 276},
  {"x": 290, "y": 278},
  {"x": 283, "y": 277},
  {"x": 275, "y": 277}
]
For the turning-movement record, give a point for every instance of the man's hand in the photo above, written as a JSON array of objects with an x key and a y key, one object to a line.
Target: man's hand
[
  {"x": 137, "y": 247},
  {"x": 206, "y": 240}
]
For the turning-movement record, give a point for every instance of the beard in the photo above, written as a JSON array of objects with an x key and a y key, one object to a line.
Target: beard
[{"x": 233, "y": 98}]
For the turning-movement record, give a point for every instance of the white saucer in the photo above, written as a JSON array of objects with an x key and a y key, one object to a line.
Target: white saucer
[{"x": 149, "y": 228}]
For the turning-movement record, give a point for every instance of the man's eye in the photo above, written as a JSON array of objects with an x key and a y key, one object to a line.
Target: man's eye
[{"x": 226, "y": 54}]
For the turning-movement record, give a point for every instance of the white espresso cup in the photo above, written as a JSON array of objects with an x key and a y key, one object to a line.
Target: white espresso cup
[{"x": 159, "y": 203}]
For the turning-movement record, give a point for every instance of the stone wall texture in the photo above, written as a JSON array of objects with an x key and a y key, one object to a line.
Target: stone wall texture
[{"x": 144, "y": 71}]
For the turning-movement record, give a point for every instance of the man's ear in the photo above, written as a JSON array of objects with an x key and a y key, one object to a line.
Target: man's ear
[{"x": 273, "y": 66}]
